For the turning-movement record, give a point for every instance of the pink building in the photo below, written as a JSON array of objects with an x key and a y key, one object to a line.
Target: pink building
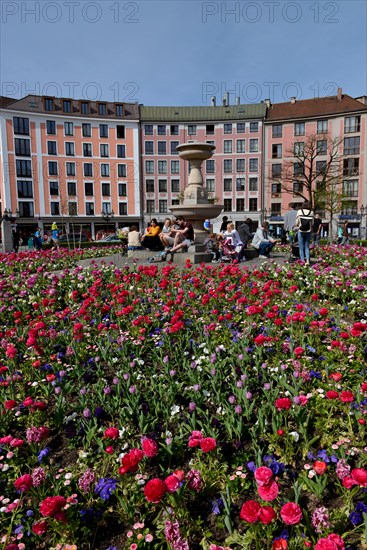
[{"x": 289, "y": 125}]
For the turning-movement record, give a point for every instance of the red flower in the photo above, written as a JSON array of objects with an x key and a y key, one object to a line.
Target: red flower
[
  {"x": 23, "y": 483},
  {"x": 172, "y": 483},
  {"x": 250, "y": 511},
  {"x": 360, "y": 476},
  {"x": 130, "y": 461},
  {"x": 51, "y": 505},
  {"x": 323, "y": 311},
  {"x": 150, "y": 447},
  {"x": 111, "y": 433},
  {"x": 320, "y": 467},
  {"x": 280, "y": 544},
  {"x": 267, "y": 515},
  {"x": 364, "y": 386},
  {"x": 346, "y": 396},
  {"x": 291, "y": 513},
  {"x": 283, "y": 403},
  {"x": 208, "y": 444},
  {"x": 269, "y": 492},
  {"x": 336, "y": 376},
  {"x": 40, "y": 527},
  {"x": 299, "y": 351},
  {"x": 328, "y": 544},
  {"x": 332, "y": 394},
  {"x": 154, "y": 490},
  {"x": 263, "y": 475}
]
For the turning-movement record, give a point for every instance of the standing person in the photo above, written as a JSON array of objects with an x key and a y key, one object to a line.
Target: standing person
[
  {"x": 304, "y": 222},
  {"x": 345, "y": 234},
  {"x": 290, "y": 221},
  {"x": 316, "y": 230},
  {"x": 16, "y": 239},
  {"x": 262, "y": 242},
  {"x": 150, "y": 239},
  {"x": 184, "y": 236},
  {"x": 55, "y": 235},
  {"x": 37, "y": 239},
  {"x": 225, "y": 222}
]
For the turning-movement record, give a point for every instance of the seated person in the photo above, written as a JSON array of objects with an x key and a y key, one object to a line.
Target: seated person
[
  {"x": 151, "y": 239},
  {"x": 134, "y": 239},
  {"x": 184, "y": 236},
  {"x": 232, "y": 234},
  {"x": 166, "y": 236},
  {"x": 244, "y": 231},
  {"x": 212, "y": 246},
  {"x": 262, "y": 242}
]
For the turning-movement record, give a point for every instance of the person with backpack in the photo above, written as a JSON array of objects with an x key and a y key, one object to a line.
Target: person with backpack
[{"x": 304, "y": 222}]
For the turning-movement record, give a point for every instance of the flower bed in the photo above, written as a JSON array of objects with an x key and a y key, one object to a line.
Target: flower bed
[{"x": 209, "y": 407}]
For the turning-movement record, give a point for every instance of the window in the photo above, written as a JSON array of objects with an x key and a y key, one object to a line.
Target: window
[
  {"x": 227, "y": 128},
  {"x": 299, "y": 148},
  {"x": 297, "y": 187},
  {"x": 254, "y": 126},
  {"x": 24, "y": 168},
  {"x": 351, "y": 167},
  {"x": 277, "y": 130},
  {"x": 51, "y": 148},
  {"x": 150, "y": 206},
  {"x": 26, "y": 209},
  {"x": 54, "y": 188},
  {"x": 175, "y": 166},
  {"x": 55, "y": 209},
  {"x": 350, "y": 209},
  {"x": 276, "y": 189},
  {"x": 52, "y": 168},
  {"x": 70, "y": 168},
  {"x": 102, "y": 109},
  {"x": 162, "y": 167},
  {"x": 322, "y": 126},
  {"x": 22, "y": 147},
  {"x": 88, "y": 188},
  {"x": 21, "y": 126},
  {"x": 227, "y": 166},
  {"x": 69, "y": 149},
  {"x": 122, "y": 208},
  {"x": 210, "y": 185},
  {"x": 103, "y": 130},
  {"x": 210, "y": 129},
  {"x": 320, "y": 167},
  {"x": 49, "y": 104},
  {"x": 227, "y": 146},
  {"x": 252, "y": 205},
  {"x": 299, "y": 129},
  {"x": 161, "y": 129},
  {"x": 254, "y": 145},
  {"x": 106, "y": 189},
  {"x": 88, "y": 169},
  {"x": 350, "y": 188},
  {"x": 174, "y": 144},
  {"x": 241, "y": 127},
  {"x": 321, "y": 147},
  {"x": 352, "y": 124},
  {"x": 149, "y": 186},
  {"x": 122, "y": 190},
  {"x": 252, "y": 184},
  {"x": 275, "y": 209},
  {"x": 240, "y": 205},
  {"x": 276, "y": 151},
  {"x": 73, "y": 208},
  {"x": 240, "y": 165},
  {"x": 149, "y": 166},
  {"x": 85, "y": 107},
  {"x": 104, "y": 150},
  {"x": 174, "y": 130},
  {"x": 50, "y": 127},
  {"x": 240, "y": 184},
  {"x": 25, "y": 189},
  {"x": 175, "y": 186},
  {"x": 298, "y": 169},
  {"x": 68, "y": 128},
  {"x": 210, "y": 167},
  {"x": 351, "y": 146},
  {"x": 191, "y": 130},
  {"x": 253, "y": 165},
  {"x": 71, "y": 188},
  {"x": 121, "y": 151},
  {"x": 89, "y": 208},
  {"x": 148, "y": 129},
  {"x": 149, "y": 148},
  {"x": 241, "y": 146},
  {"x": 227, "y": 205},
  {"x": 86, "y": 130},
  {"x": 227, "y": 184},
  {"x": 119, "y": 110},
  {"x": 120, "y": 132},
  {"x": 66, "y": 106},
  {"x": 121, "y": 170},
  {"x": 162, "y": 186},
  {"x": 105, "y": 170},
  {"x": 162, "y": 148}
]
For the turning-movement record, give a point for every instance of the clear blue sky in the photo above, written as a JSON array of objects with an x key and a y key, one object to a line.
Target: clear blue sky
[{"x": 182, "y": 52}]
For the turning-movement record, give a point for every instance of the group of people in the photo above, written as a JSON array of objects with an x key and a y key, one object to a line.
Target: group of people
[
  {"x": 38, "y": 239},
  {"x": 229, "y": 244}
]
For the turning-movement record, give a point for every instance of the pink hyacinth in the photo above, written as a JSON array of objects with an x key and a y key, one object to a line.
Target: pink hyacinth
[{"x": 320, "y": 519}]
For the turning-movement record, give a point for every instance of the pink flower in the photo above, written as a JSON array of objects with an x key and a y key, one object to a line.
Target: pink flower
[
  {"x": 269, "y": 492},
  {"x": 283, "y": 403},
  {"x": 111, "y": 433},
  {"x": 150, "y": 447},
  {"x": 172, "y": 483},
  {"x": 263, "y": 475},
  {"x": 23, "y": 483},
  {"x": 208, "y": 444},
  {"x": 291, "y": 513}
]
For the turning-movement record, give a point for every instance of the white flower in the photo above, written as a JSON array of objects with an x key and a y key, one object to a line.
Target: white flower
[
  {"x": 175, "y": 410},
  {"x": 295, "y": 436}
]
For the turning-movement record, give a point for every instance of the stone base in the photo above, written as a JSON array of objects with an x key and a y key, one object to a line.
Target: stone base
[
  {"x": 251, "y": 253},
  {"x": 196, "y": 254}
]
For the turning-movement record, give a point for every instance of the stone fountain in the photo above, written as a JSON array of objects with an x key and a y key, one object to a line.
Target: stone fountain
[{"x": 196, "y": 207}]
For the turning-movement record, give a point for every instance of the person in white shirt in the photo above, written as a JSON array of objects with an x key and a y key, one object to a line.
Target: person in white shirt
[
  {"x": 262, "y": 242},
  {"x": 304, "y": 222}
]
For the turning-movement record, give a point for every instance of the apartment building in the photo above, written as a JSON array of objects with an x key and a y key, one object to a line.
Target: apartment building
[
  {"x": 290, "y": 127},
  {"x": 71, "y": 161},
  {"x": 232, "y": 177}
]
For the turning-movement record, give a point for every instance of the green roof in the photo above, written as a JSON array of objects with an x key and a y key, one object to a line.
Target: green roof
[{"x": 202, "y": 114}]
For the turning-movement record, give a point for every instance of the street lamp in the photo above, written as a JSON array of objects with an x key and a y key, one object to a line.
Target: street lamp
[
  {"x": 107, "y": 216},
  {"x": 363, "y": 226},
  {"x": 8, "y": 215}
]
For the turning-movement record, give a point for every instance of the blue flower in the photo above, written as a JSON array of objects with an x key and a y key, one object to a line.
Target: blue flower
[
  {"x": 361, "y": 507},
  {"x": 105, "y": 487},
  {"x": 251, "y": 466},
  {"x": 217, "y": 503},
  {"x": 43, "y": 454},
  {"x": 355, "y": 518}
]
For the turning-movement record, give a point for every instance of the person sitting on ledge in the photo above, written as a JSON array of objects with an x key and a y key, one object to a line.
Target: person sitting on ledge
[
  {"x": 184, "y": 236},
  {"x": 150, "y": 238},
  {"x": 134, "y": 239}
]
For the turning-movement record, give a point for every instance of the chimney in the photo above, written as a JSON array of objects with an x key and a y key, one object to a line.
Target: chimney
[
  {"x": 293, "y": 99},
  {"x": 362, "y": 99},
  {"x": 238, "y": 100},
  {"x": 213, "y": 100},
  {"x": 227, "y": 98},
  {"x": 267, "y": 103},
  {"x": 340, "y": 94},
  {"x": 224, "y": 101}
]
